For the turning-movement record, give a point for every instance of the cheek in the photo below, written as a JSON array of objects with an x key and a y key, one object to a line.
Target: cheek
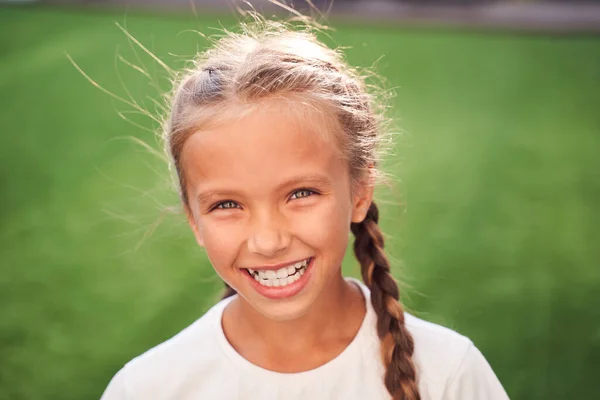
[
  {"x": 222, "y": 241},
  {"x": 325, "y": 228}
]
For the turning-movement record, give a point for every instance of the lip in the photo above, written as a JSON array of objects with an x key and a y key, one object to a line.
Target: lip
[
  {"x": 278, "y": 293},
  {"x": 276, "y": 266}
]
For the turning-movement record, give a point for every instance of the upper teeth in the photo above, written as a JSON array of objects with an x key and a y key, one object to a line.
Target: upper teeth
[{"x": 280, "y": 277}]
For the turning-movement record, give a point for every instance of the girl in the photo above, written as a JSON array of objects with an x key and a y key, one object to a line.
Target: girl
[{"x": 274, "y": 141}]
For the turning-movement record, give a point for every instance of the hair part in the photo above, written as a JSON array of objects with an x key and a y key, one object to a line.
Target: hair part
[{"x": 272, "y": 62}]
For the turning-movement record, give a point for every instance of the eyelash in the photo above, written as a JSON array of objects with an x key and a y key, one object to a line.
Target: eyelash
[
  {"x": 219, "y": 206},
  {"x": 309, "y": 191}
]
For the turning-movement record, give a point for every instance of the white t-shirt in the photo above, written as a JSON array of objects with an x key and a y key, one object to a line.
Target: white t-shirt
[{"x": 199, "y": 363}]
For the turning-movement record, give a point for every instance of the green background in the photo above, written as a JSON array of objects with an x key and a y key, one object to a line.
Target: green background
[{"x": 493, "y": 224}]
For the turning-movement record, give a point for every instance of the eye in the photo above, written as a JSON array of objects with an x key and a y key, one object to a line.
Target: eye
[
  {"x": 225, "y": 205},
  {"x": 301, "y": 193}
]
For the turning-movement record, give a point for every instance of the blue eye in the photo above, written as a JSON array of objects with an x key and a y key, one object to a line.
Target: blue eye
[
  {"x": 226, "y": 205},
  {"x": 298, "y": 194}
]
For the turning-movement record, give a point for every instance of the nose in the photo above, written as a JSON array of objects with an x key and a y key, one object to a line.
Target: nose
[{"x": 269, "y": 235}]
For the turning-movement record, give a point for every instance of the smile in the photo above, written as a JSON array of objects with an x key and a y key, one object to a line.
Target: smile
[{"x": 281, "y": 277}]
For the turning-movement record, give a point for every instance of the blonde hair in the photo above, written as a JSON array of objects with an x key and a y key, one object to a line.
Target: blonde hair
[{"x": 281, "y": 60}]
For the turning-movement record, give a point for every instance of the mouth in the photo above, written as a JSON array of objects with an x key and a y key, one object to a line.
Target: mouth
[
  {"x": 272, "y": 284},
  {"x": 281, "y": 277}
]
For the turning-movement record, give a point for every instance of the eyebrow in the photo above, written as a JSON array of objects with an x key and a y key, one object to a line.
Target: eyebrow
[
  {"x": 314, "y": 179},
  {"x": 206, "y": 195}
]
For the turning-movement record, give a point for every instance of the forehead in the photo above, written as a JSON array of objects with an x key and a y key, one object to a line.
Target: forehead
[{"x": 262, "y": 149}]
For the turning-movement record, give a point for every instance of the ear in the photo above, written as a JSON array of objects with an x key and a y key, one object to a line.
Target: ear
[
  {"x": 194, "y": 225},
  {"x": 362, "y": 198}
]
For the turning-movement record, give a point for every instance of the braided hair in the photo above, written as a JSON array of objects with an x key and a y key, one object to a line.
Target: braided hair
[{"x": 397, "y": 345}]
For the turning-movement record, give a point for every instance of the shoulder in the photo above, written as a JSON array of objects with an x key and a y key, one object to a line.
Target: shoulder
[
  {"x": 436, "y": 345},
  {"x": 449, "y": 365},
  {"x": 167, "y": 366}
]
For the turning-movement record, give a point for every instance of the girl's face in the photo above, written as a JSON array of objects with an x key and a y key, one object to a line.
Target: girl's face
[{"x": 272, "y": 204}]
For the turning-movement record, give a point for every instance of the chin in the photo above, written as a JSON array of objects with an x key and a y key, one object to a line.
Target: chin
[{"x": 282, "y": 311}]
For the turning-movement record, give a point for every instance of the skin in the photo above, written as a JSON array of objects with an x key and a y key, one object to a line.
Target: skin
[{"x": 264, "y": 190}]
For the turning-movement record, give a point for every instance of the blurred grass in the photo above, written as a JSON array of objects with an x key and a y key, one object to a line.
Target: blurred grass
[{"x": 499, "y": 169}]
